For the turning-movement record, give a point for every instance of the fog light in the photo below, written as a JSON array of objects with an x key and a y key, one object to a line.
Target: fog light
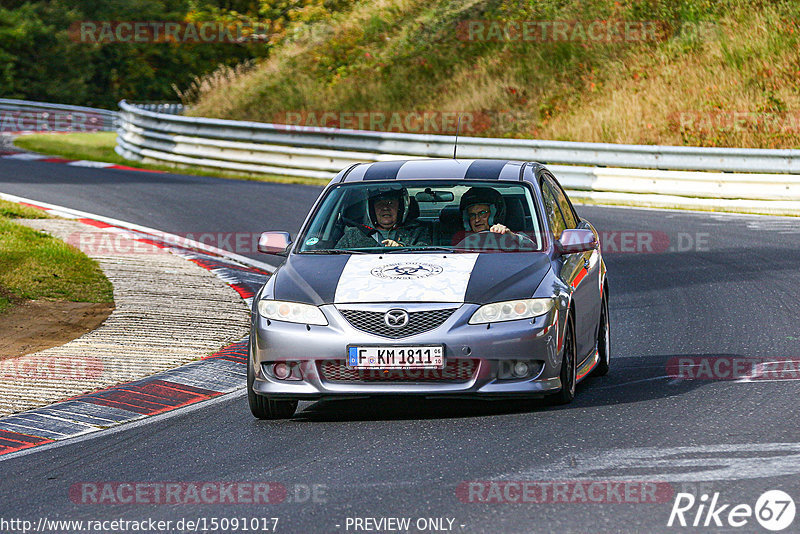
[
  {"x": 281, "y": 371},
  {"x": 519, "y": 369}
]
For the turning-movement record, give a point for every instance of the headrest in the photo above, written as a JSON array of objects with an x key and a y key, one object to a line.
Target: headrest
[
  {"x": 413, "y": 210},
  {"x": 450, "y": 218},
  {"x": 515, "y": 215}
]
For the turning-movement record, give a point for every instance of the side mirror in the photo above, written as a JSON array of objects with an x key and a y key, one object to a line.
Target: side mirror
[
  {"x": 574, "y": 240},
  {"x": 274, "y": 243}
]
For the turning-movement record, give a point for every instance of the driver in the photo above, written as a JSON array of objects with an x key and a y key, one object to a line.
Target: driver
[
  {"x": 388, "y": 211},
  {"x": 483, "y": 210}
]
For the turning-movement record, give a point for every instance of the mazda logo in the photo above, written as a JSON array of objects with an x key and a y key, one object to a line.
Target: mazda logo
[{"x": 396, "y": 318}]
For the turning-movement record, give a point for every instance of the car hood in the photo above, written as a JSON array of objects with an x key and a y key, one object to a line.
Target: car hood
[{"x": 375, "y": 278}]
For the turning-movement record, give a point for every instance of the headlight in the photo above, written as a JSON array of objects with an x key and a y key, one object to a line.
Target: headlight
[
  {"x": 292, "y": 312},
  {"x": 511, "y": 310}
]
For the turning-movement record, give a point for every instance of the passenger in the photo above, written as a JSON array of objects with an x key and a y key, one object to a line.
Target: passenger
[
  {"x": 388, "y": 211},
  {"x": 483, "y": 210}
]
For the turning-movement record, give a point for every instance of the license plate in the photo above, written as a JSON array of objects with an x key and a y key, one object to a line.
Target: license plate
[{"x": 398, "y": 357}]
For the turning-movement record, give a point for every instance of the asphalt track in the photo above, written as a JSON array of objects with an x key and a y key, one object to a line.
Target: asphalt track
[{"x": 735, "y": 294}]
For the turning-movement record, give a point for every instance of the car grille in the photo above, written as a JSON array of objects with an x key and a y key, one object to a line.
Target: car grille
[
  {"x": 457, "y": 370},
  {"x": 418, "y": 322}
]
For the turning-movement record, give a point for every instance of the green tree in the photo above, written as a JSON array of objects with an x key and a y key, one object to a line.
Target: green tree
[{"x": 40, "y": 59}]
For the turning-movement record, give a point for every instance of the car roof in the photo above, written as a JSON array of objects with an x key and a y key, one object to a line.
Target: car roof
[{"x": 427, "y": 169}]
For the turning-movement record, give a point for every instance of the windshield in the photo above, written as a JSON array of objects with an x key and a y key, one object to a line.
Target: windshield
[{"x": 435, "y": 215}]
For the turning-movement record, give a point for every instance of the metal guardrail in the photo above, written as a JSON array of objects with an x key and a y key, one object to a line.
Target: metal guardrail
[
  {"x": 263, "y": 148},
  {"x": 170, "y": 108},
  {"x": 25, "y": 115}
]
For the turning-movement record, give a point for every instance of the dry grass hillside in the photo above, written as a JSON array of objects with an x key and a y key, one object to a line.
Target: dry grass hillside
[{"x": 698, "y": 72}]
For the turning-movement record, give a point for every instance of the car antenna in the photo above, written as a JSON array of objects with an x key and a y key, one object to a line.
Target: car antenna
[{"x": 458, "y": 126}]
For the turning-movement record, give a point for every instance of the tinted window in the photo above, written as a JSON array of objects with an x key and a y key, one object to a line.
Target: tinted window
[
  {"x": 566, "y": 209},
  {"x": 552, "y": 210}
]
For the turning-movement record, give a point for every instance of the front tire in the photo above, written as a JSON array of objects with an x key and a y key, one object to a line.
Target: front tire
[
  {"x": 603, "y": 342},
  {"x": 264, "y": 407},
  {"x": 568, "y": 374}
]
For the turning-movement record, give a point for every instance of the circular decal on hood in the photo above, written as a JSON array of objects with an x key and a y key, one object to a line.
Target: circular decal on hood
[{"x": 406, "y": 270}]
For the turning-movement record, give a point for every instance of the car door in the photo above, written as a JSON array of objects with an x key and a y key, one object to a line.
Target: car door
[{"x": 580, "y": 270}]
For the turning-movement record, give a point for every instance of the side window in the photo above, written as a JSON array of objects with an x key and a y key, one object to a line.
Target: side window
[
  {"x": 554, "y": 216},
  {"x": 561, "y": 198}
]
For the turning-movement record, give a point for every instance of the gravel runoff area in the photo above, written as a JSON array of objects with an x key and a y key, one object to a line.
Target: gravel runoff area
[{"x": 169, "y": 311}]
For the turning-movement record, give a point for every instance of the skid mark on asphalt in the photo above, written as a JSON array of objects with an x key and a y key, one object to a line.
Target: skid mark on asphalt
[
  {"x": 780, "y": 225},
  {"x": 703, "y": 463},
  {"x": 633, "y": 382}
]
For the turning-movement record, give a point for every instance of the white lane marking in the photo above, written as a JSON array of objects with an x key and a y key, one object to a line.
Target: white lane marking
[
  {"x": 93, "y": 164},
  {"x": 773, "y": 223},
  {"x": 26, "y": 156},
  {"x": 127, "y": 425},
  {"x": 759, "y": 380},
  {"x": 152, "y": 232},
  {"x": 25, "y": 426},
  {"x": 702, "y": 463},
  {"x": 632, "y": 382},
  {"x": 778, "y": 227},
  {"x": 673, "y": 211},
  {"x": 63, "y": 214},
  {"x": 676, "y": 381},
  {"x": 88, "y": 426}
]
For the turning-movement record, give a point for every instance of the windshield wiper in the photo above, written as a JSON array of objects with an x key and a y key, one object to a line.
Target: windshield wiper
[
  {"x": 334, "y": 251},
  {"x": 426, "y": 249}
]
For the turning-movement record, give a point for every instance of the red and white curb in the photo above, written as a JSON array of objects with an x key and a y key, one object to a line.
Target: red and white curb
[
  {"x": 218, "y": 374},
  {"x": 32, "y": 156},
  {"x": 146, "y": 234}
]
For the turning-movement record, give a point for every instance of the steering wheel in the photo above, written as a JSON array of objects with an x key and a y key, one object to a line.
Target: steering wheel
[
  {"x": 488, "y": 240},
  {"x": 475, "y": 238},
  {"x": 366, "y": 230}
]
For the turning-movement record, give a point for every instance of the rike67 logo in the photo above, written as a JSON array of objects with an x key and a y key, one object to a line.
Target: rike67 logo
[{"x": 774, "y": 510}]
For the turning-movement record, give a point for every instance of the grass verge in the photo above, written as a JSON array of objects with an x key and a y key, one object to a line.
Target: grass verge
[
  {"x": 36, "y": 266},
  {"x": 99, "y": 146}
]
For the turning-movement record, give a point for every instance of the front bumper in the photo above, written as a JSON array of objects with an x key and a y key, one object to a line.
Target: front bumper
[{"x": 489, "y": 347}]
